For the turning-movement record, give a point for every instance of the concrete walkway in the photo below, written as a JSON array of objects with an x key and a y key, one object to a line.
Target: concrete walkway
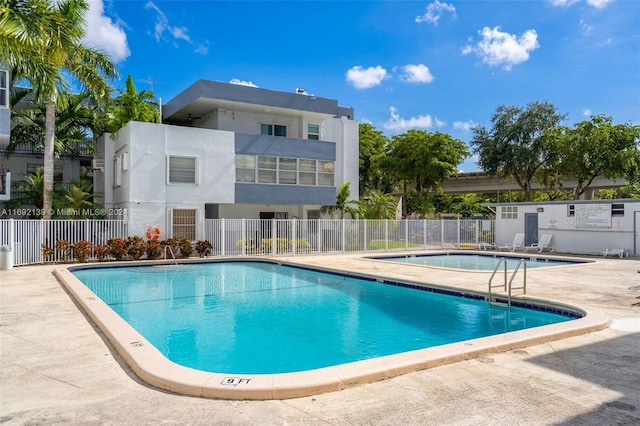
[{"x": 56, "y": 368}]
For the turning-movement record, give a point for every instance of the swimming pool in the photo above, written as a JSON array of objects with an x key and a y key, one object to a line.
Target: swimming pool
[
  {"x": 153, "y": 366},
  {"x": 263, "y": 318},
  {"x": 476, "y": 262}
]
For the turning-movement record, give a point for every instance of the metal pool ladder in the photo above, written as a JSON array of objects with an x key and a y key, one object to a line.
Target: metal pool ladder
[
  {"x": 173, "y": 255},
  {"x": 507, "y": 285}
]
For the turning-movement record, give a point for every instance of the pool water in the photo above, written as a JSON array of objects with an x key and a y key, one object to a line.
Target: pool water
[
  {"x": 259, "y": 317},
  {"x": 474, "y": 262}
]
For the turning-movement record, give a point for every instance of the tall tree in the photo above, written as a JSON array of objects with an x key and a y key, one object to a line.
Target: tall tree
[
  {"x": 424, "y": 159},
  {"x": 516, "y": 145},
  {"x": 373, "y": 145},
  {"x": 41, "y": 42},
  {"x": 343, "y": 203},
  {"x": 595, "y": 148},
  {"x": 131, "y": 105}
]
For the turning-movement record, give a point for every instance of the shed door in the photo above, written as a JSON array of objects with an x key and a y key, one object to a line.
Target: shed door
[{"x": 530, "y": 228}]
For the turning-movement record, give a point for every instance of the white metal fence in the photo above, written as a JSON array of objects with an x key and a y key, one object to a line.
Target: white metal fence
[
  {"x": 27, "y": 236},
  {"x": 258, "y": 237},
  {"x": 242, "y": 237}
]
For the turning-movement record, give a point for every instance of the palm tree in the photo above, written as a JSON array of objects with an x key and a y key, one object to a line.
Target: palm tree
[
  {"x": 378, "y": 205},
  {"x": 131, "y": 105},
  {"x": 42, "y": 43},
  {"x": 343, "y": 204}
]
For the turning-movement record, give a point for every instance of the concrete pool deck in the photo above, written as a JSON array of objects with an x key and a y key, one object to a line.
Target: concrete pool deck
[{"x": 57, "y": 368}]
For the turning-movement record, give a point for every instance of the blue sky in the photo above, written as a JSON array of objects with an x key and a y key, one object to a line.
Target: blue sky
[{"x": 431, "y": 65}]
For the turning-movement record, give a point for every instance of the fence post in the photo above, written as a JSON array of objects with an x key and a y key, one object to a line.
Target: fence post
[
  {"x": 386, "y": 235},
  {"x": 441, "y": 232},
  {"x": 406, "y": 234},
  {"x": 458, "y": 236},
  {"x": 294, "y": 236},
  {"x": 223, "y": 242},
  {"x": 365, "y": 235}
]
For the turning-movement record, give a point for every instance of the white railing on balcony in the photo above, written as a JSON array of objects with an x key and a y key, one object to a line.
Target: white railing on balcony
[{"x": 257, "y": 237}]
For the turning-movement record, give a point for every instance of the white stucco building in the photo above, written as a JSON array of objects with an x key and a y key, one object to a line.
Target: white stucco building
[
  {"x": 228, "y": 151},
  {"x": 580, "y": 226}
]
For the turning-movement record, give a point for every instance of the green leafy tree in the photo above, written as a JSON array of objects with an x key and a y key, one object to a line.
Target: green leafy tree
[
  {"x": 131, "y": 105},
  {"x": 372, "y": 146},
  {"x": 595, "y": 148},
  {"x": 516, "y": 145},
  {"x": 424, "y": 160},
  {"x": 77, "y": 200},
  {"x": 343, "y": 203},
  {"x": 378, "y": 205},
  {"x": 31, "y": 191},
  {"x": 41, "y": 42},
  {"x": 75, "y": 125}
]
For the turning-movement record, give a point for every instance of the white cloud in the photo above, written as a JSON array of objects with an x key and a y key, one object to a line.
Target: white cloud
[
  {"x": 242, "y": 82},
  {"x": 586, "y": 28},
  {"x": 463, "y": 125},
  {"x": 416, "y": 74},
  {"x": 598, "y": 4},
  {"x": 562, "y": 3},
  {"x": 434, "y": 12},
  {"x": 501, "y": 48},
  {"x": 105, "y": 35},
  {"x": 587, "y": 113},
  {"x": 399, "y": 124},
  {"x": 366, "y": 78},
  {"x": 162, "y": 26}
]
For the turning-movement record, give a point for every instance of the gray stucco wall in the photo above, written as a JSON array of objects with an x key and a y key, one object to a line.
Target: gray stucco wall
[
  {"x": 252, "y": 193},
  {"x": 5, "y": 124}
]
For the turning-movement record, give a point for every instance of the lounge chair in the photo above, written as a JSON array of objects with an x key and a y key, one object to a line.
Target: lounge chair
[
  {"x": 542, "y": 244},
  {"x": 615, "y": 252},
  {"x": 518, "y": 243}
]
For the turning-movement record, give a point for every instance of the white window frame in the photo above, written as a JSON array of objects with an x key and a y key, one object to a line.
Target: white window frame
[
  {"x": 246, "y": 171},
  {"x": 315, "y": 135},
  {"x": 509, "y": 212},
  {"x": 195, "y": 170},
  {"x": 187, "y": 230},
  {"x": 4, "y": 89}
]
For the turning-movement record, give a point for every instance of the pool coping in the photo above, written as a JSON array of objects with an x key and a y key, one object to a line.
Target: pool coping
[{"x": 155, "y": 369}]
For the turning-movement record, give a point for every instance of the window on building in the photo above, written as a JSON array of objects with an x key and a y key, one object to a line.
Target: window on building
[
  {"x": 307, "y": 172},
  {"x": 267, "y": 171},
  {"x": 325, "y": 173},
  {"x": 287, "y": 171},
  {"x": 117, "y": 171},
  {"x": 283, "y": 170},
  {"x": 4, "y": 89},
  {"x": 182, "y": 169},
  {"x": 245, "y": 168},
  {"x": 313, "y": 132},
  {"x": 617, "y": 209},
  {"x": 183, "y": 224},
  {"x": 571, "y": 210},
  {"x": 509, "y": 212},
  {"x": 273, "y": 129}
]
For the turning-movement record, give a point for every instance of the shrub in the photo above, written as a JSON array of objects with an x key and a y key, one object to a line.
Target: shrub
[
  {"x": 101, "y": 251},
  {"x": 203, "y": 248},
  {"x": 117, "y": 247},
  {"x": 64, "y": 249},
  {"x": 283, "y": 245},
  {"x": 249, "y": 245},
  {"x": 185, "y": 247},
  {"x": 47, "y": 251},
  {"x": 172, "y": 243},
  {"x": 135, "y": 247},
  {"x": 154, "y": 249},
  {"x": 302, "y": 244},
  {"x": 82, "y": 250}
]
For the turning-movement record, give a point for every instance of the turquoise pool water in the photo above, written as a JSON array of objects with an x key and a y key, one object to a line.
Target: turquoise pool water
[
  {"x": 474, "y": 262},
  {"x": 258, "y": 317}
]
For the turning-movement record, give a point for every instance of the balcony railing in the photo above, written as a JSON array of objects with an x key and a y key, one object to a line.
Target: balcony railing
[{"x": 75, "y": 150}]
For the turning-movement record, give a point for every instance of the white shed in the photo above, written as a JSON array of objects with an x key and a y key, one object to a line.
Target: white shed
[{"x": 577, "y": 226}]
